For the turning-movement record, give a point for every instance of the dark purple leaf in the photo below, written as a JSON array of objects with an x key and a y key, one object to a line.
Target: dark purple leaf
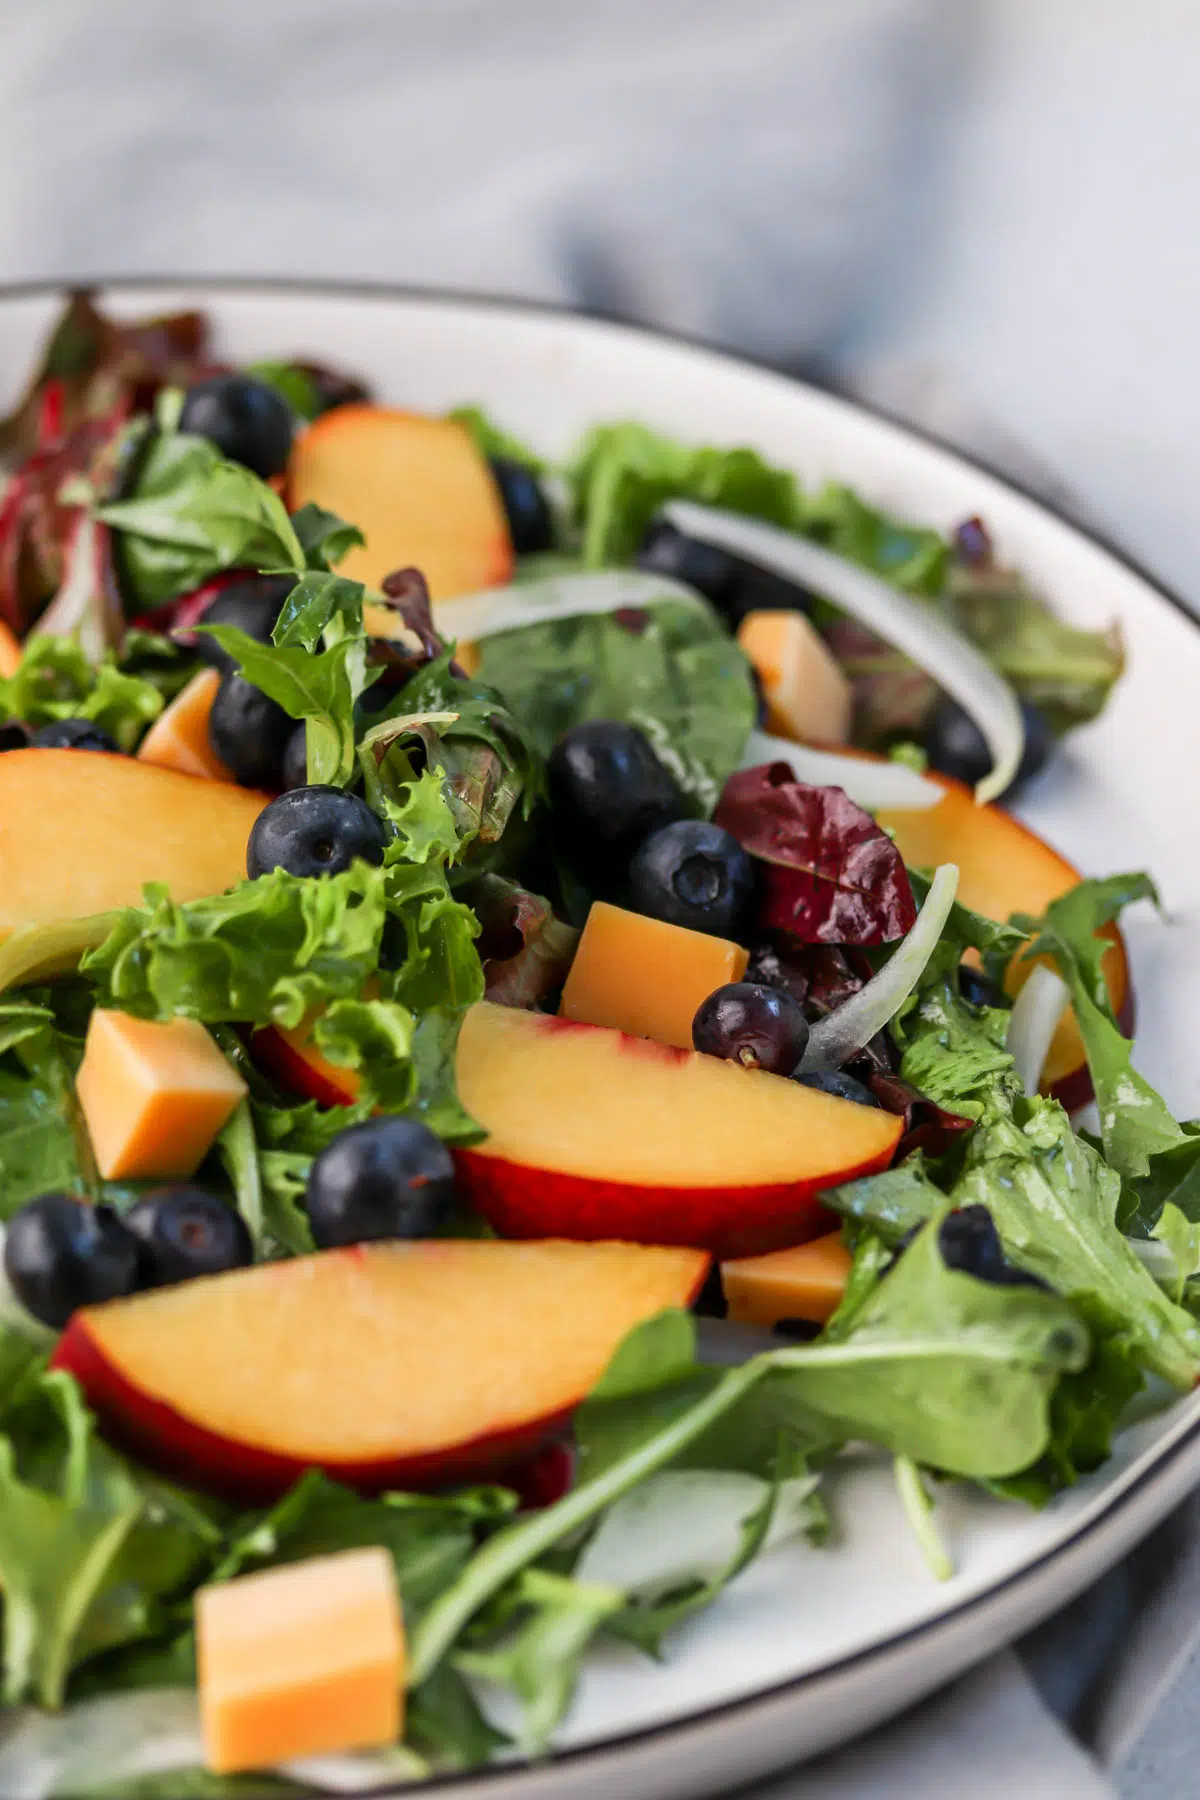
[
  {"x": 526, "y": 951},
  {"x": 831, "y": 875}
]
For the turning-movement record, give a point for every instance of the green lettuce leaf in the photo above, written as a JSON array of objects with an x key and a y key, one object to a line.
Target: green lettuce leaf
[
  {"x": 55, "y": 680},
  {"x": 672, "y": 670},
  {"x": 43, "y": 1141},
  {"x": 265, "y": 953},
  {"x": 191, "y": 514},
  {"x": 914, "y": 557},
  {"x": 622, "y": 473}
]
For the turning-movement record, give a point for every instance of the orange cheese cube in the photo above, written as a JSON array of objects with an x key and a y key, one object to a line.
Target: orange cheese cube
[
  {"x": 645, "y": 977},
  {"x": 178, "y": 738},
  {"x": 10, "y": 651},
  {"x": 300, "y": 1661},
  {"x": 154, "y": 1096},
  {"x": 805, "y": 1282},
  {"x": 806, "y": 693}
]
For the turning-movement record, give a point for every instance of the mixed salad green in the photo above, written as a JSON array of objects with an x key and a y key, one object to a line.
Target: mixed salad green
[{"x": 1016, "y": 1282}]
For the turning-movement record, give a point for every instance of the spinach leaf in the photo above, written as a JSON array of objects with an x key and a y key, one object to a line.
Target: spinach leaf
[
  {"x": 324, "y": 537},
  {"x": 672, "y": 670},
  {"x": 190, "y": 515},
  {"x": 1135, "y": 1123},
  {"x": 55, "y": 680}
]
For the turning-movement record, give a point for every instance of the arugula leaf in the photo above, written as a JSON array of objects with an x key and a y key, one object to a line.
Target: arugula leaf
[
  {"x": 951, "y": 1371},
  {"x": 492, "y": 440},
  {"x": 291, "y": 383},
  {"x": 88, "y": 1548},
  {"x": 190, "y": 515},
  {"x": 43, "y": 1142},
  {"x": 891, "y": 1204},
  {"x": 1135, "y": 1123},
  {"x": 55, "y": 680},
  {"x": 1173, "y": 1178},
  {"x": 320, "y": 688},
  {"x": 1054, "y": 1203},
  {"x": 540, "y": 1659},
  {"x": 155, "y": 658},
  {"x": 672, "y": 670},
  {"x": 1182, "y": 1238},
  {"x": 324, "y": 536},
  {"x": 622, "y": 473},
  {"x": 1084, "y": 1413},
  {"x": 443, "y": 1721}
]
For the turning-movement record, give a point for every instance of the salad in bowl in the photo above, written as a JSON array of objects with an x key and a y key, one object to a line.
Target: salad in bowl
[{"x": 525, "y": 1031}]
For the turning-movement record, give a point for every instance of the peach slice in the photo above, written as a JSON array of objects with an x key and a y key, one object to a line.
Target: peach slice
[
  {"x": 81, "y": 832},
  {"x": 388, "y": 1365},
  {"x": 178, "y": 738},
  {"x": 419, "y": 491},
  {"x": 593, "y": 1134},
  {"x": 1005, "y": 868},
  {"x": 10, "y": 650}
]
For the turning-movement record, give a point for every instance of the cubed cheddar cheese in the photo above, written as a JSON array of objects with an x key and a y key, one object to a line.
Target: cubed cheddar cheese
[
  {"x": 299, "y": 1661},
  {"x": 807, "y": 694},
  {"x": 645, "y": 977},
  {"x": 178, "y": 738},
  {"x": 154, "y": 1096},
  {"x": 804, "y": 1282},
  {"x": 10, "y": 651}
]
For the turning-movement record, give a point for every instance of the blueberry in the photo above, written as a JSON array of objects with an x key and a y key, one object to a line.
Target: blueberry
[
  {"x": 695, "y": 875},
  {"x": 314, "y": 830},
  {"x": 757, "y": 1026},
  {"x": 185, "y": 1232},
  {"x": 252, "y": 603},
  {"x": 955, "y": 746},
  {"x": 386, "y": 1178},
  {"x": 75, "y": 734},
  {"x": 733, "y": 585},
  {"x": 839, "y": 1084},
  {"x": 979, "y": 989},
  {"x": 249, "y": 732},
  {"x": 608, "y": 791},
  {"x": 969, "y": 1242},
  {"x": 61, "y": 1253},
  {"x": 529, "y": 523},
  {"x": 295, "y": 759},
  {"x": 248, "y": 421},
  {"x": 13, "y": 735}
]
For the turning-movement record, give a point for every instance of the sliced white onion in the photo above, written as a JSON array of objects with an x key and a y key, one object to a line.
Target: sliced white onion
[
  {"x": 471, "y": 617},
  {"x": 877, "y": 786},
  {"x": 834, "y": 1040},
  {"x": 1036, "y": 1012},
  {"x": 910, "y": 626},
  {"x": 99, "y": 1743}
]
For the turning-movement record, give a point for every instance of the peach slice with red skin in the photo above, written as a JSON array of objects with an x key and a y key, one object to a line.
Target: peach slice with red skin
[
  {"x": 1005, "y": 868},
  {"x": 593, "y": 1134},
  {"x": 390, "y": 1365}
]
